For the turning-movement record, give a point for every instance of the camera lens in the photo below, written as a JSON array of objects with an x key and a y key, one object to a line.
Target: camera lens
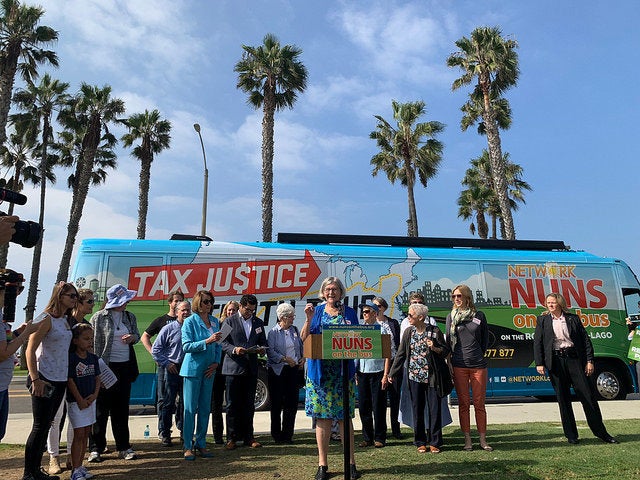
[{"x": 27, "y": 233}]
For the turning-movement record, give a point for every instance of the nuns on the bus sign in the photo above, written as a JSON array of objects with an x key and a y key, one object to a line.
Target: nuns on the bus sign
[{"x": 348, "y": 342}]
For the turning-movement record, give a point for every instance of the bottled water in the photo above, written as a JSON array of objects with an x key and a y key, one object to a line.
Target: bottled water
[{"x": 146, "y": 433}]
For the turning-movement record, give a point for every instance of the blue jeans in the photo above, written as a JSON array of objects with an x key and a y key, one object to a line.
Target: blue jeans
[
  {"x": 161, "y": 374},
  {"x": 172, "y": 392},
  {"x": 4, "y": 412}
]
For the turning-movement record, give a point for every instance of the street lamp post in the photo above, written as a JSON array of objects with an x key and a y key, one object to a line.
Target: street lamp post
[{"x": 203, "y": 232}]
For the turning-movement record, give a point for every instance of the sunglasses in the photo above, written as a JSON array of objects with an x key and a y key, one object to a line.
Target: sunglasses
[
  {"x": 70, "y": 295},
  {"x": 206, "y": 301},
  {"x": 90, "y": 301},
  {"x": 456, "y": 296},
  {"x": 367, "y": 311}
]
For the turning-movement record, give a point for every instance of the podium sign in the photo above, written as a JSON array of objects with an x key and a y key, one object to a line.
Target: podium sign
[
  {"x": 348, "y": 342},
  {"x": 634, "y": 348}
]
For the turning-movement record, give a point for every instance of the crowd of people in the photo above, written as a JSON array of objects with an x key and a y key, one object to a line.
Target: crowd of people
[{"x": 83, "y": 370}]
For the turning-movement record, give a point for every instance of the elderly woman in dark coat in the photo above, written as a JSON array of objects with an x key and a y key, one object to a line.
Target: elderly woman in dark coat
[
  {"x": 284, "y": 363},
  {"x": 422, "y": 352}
]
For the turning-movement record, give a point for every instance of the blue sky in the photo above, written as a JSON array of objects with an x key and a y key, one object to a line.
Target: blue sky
[{"x": 574, "y": 126}]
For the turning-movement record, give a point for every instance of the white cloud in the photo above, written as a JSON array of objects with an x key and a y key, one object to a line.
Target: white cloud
[
  {"x": 403, "y": 42},
  {"x": 130, "y": 39}
]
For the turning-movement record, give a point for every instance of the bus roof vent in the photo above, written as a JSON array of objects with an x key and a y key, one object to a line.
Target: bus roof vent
[
  {"x": 184, "y": 236},
  {"x": 434, "y": 242}
]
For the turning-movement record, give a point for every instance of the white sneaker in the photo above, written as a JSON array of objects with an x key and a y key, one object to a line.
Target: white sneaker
[
  {"x": 94, "y": 457},
  {"x": 85, "y": 473},
  {"x": 77, "y": 475},
  {"x": 128, "y": 454}
]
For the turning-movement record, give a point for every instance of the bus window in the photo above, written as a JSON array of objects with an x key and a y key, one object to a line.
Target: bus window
[{"x": 632, "y": 303}]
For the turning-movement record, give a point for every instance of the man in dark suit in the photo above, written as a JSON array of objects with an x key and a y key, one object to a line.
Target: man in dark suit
[
  {"x": 562, "y": 345},
  {"x": 245, "y": 340}
]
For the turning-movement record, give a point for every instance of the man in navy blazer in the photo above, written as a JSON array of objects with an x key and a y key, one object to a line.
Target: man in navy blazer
[
  {"x": 245, "y": 340},
  {"x": 562, "y": 346}
]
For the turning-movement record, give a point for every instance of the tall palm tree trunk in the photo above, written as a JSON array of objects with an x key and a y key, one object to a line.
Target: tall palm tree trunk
[
  {"x": 7, "y": 80},
  {"x": 267, "y": 166},
  {"x": 37, "y": 251},
  {"x": 90, "y": 142},
  {"x": 497, "y": 165},
  {"x": 412, "y": 230},
  {"x": 143, "y": 195}
]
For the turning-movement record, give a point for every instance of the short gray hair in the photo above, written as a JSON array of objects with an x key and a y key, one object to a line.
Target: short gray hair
[
  {"x": 328, "y": 281},
  {"x": 285, "y": 309},
  {"x": 420, "y": 310}
]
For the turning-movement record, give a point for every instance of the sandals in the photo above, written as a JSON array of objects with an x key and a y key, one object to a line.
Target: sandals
[{"x": 189, "y": 456}]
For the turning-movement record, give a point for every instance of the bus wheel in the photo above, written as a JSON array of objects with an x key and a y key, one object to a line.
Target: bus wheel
[
  {"x": 609, "y": 382},
  {"x": 262, "y": 400}
]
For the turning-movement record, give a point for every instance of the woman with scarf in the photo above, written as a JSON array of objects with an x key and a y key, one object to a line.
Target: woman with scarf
[{"x": 468, "y": 338}]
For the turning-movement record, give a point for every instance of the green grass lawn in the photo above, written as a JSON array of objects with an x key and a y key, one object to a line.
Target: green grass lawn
[{"x": 522, "y": 451}]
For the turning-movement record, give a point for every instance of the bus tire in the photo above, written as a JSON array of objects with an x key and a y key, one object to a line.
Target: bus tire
[
  {"x": 262, "y": 400},
  {"x": 609, "y": 381}
]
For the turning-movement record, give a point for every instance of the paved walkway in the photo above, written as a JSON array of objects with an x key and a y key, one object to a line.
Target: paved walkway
[{"x": 19, "y": 425}]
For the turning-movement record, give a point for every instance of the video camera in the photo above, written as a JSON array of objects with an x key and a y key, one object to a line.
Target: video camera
[
  {"x": 11, "y": 283},
  {"x": 27, "y": 233}
]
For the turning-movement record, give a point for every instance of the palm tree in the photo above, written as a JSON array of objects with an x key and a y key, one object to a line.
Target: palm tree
[
  {"x": 21, "y": 48},
  {"x": 271, "y": 75},
  {"x": 38, "y": 102},
  {"x": 407, "y": 149},
  {"x": 92, "y": 111},
  {"x": 481, "y": 196},
  {"x": 154, "y": 136},
  {"x": 493, "y": 61},
  {"x": 474, "y": 202}
]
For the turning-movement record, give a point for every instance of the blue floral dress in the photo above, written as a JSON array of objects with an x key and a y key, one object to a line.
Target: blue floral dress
[{"x": 324, "y": 399}]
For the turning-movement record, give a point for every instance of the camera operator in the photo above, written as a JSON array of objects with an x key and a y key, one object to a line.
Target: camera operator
[
  {"x": 10, "y": 285},
  {"x": 7, "y": 228}
]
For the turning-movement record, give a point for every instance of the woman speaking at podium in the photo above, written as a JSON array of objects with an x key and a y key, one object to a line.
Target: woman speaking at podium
[{"x": 324, "y": 377}]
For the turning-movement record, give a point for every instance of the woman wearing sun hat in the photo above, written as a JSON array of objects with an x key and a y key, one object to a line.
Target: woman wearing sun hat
[{"x": 115, "y": 332}]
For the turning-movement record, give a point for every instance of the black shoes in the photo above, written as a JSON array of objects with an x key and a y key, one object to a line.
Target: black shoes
[
  {"x": 166, "y": 442},
  {"x": 322, "y": 474},
  {"x": 355, "y": 474},
  {"x": 40, "y": 475},
  {"x": 573, "y": 441},
  {"x": 609, "y": 439}
]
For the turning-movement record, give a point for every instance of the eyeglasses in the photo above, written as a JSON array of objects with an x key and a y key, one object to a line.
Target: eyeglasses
[
  {"x": 248, "y": 309},
  {"x": 206, "y": 301},
  {"x": 70, "y": 295},
  {"x": 367, "y": 311},
  {"x": 456, "y": 295}
]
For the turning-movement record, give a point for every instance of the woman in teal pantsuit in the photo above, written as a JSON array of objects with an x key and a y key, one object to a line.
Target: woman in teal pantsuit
[{"x": 200, "y": 334}]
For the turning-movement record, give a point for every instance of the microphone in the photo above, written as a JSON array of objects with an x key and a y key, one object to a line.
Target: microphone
[{"x": 12, "y": 197}]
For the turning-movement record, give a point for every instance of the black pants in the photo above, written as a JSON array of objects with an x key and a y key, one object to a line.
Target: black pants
[
  {"x": 567, "y": 371},
  {"x": 217, "y": 400},
  {"x": 241, "y": 393},
  {"x": 43, "y": 410},
  {"x": 113, "y": 402},
  {"x": 283, "y": 391},
  {"x": 393, "y": 393},
  {"x": 422, "y": 395},
  {"x": 373, "y": 407}
]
